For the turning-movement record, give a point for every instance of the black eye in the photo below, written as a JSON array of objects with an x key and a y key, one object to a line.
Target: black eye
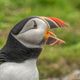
[{"x": 35, "y": 24}]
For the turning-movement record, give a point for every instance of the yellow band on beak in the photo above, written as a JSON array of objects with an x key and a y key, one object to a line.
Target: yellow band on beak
[{"x": 48, "y": 33}]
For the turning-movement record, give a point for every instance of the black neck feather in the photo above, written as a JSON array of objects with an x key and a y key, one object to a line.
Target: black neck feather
[{"x": 14, "y": 51}]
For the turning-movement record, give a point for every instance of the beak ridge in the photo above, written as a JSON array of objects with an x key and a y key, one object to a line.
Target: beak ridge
[{"x": 55, "y": 22}]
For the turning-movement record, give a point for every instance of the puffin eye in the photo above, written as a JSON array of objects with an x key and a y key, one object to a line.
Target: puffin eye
[{"x": 35, "y": 24}]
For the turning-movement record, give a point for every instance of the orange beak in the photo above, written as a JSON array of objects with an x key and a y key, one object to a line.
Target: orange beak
[{"x": 51, "y": 38}]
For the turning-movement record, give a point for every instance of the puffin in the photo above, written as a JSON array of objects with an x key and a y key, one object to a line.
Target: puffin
[{"x": 24, "y": 44}]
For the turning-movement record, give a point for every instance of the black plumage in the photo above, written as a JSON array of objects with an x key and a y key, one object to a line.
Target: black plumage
[{"x": 14, "y": 51}]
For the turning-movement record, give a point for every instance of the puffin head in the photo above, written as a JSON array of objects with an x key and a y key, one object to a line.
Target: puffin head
[{"x": 34, "y": 32}]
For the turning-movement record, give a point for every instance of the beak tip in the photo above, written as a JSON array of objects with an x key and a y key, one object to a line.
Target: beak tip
[{"x": 61, "y": 41}]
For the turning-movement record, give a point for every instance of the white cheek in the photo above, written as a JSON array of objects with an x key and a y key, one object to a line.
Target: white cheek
[{"x": 31, "y": 36}]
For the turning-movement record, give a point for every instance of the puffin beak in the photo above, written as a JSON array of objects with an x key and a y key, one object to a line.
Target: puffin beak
[{"x": 51, "y": 38}]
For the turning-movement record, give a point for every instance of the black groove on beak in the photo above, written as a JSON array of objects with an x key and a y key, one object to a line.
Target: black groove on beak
[{"x": 51, "y": 24}]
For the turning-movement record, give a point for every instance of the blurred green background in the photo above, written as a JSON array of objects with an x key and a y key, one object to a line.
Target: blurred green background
[{"x": 54, "y": 61}]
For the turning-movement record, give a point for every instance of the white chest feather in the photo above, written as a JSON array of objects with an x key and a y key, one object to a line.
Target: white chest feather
[{"x": 19, "y": 71}]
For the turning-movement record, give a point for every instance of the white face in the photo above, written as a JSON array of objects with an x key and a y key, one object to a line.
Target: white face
[{"x": 32, "y": 33}]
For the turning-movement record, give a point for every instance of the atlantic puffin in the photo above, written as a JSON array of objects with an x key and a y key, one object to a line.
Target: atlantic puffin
[{"x": 25, "y": 41}]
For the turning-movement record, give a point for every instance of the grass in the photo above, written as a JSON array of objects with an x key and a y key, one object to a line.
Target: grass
[
  {"x": 59, "y": 61},
  {"x": 53, "y": 61}
]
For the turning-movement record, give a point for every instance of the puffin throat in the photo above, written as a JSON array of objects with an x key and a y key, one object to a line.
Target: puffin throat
[{"x": 14, "y": 51}]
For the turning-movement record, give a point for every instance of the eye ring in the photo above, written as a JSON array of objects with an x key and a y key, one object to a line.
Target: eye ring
[{"x": 35, "y": 24}]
